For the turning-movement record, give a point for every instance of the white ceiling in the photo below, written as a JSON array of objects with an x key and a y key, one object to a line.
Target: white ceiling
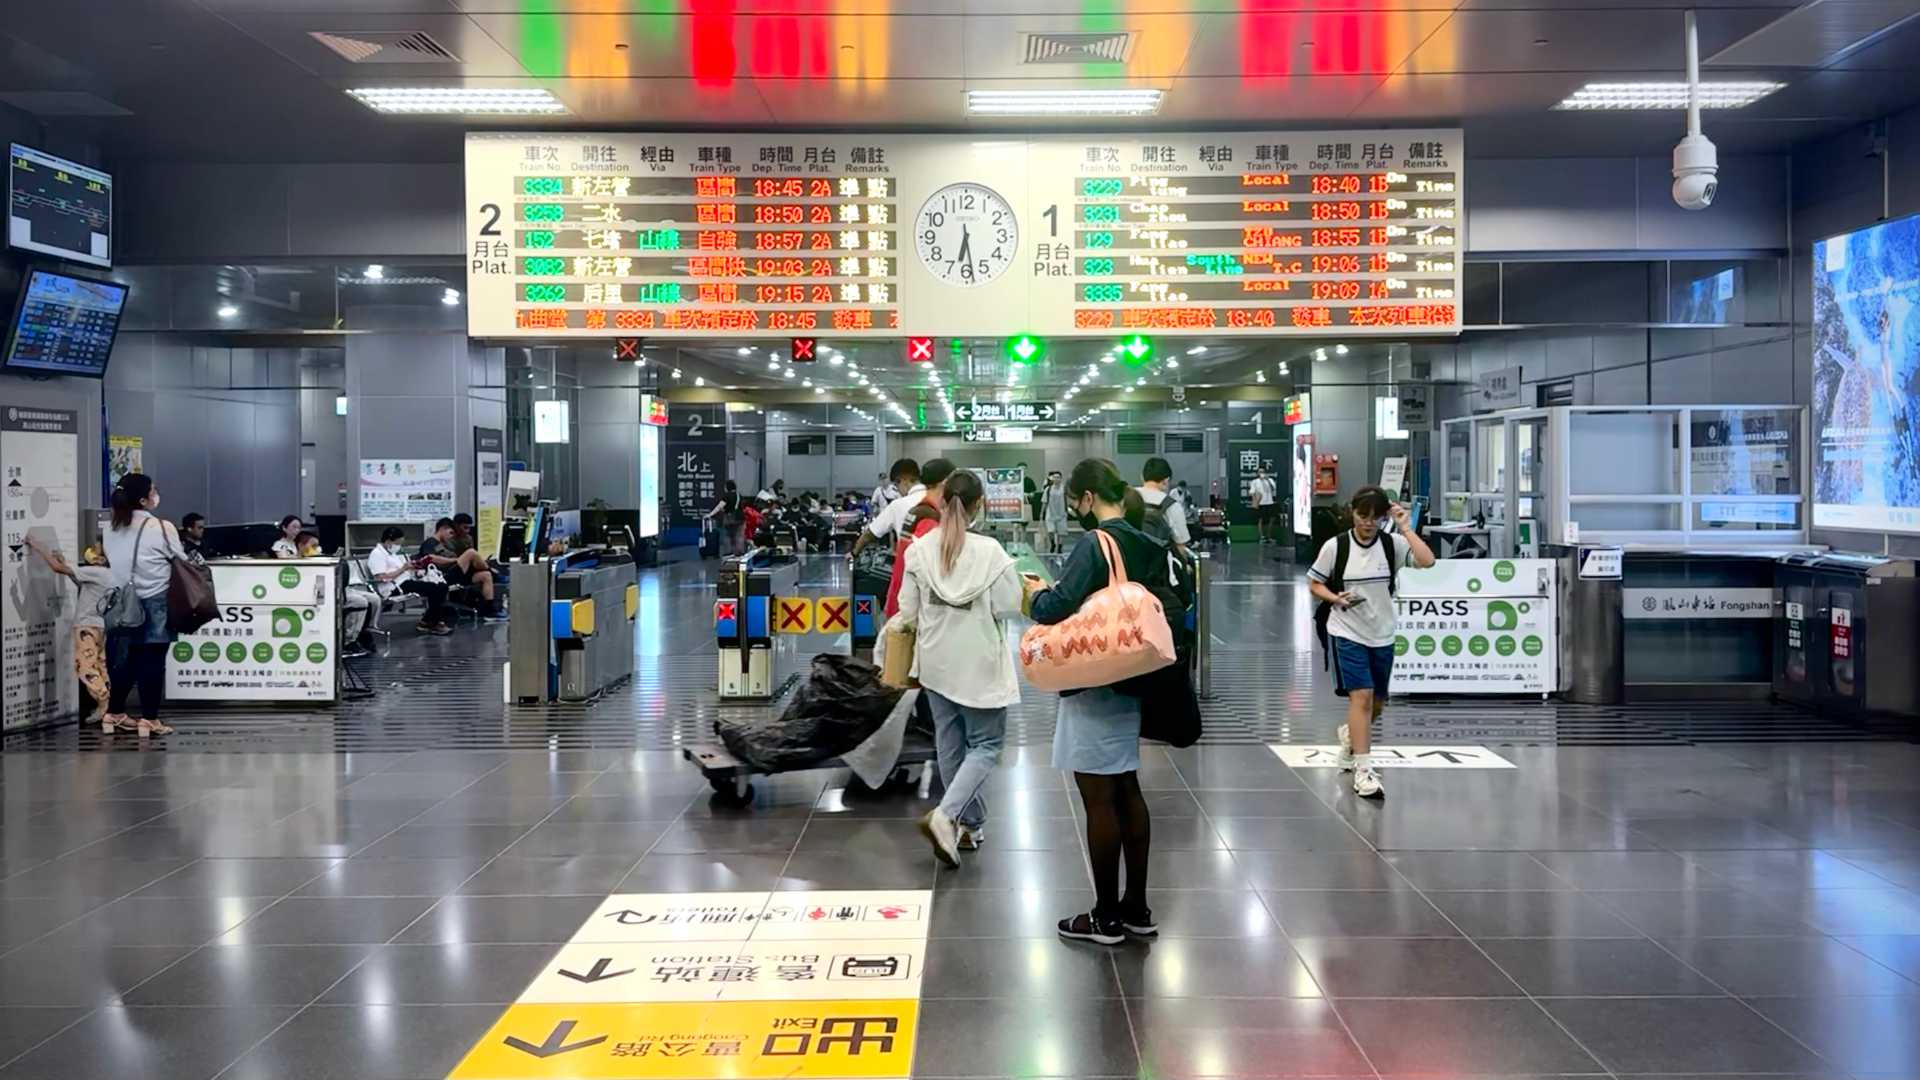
[{"x": 242, "y": 80}]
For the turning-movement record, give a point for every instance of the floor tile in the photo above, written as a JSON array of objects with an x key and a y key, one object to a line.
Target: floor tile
[
  {"x": 166, "y": 920},
  {"x": 1784, "y": 869},
  {"x": 688, "y": 836},
  {"x": 1703, "y": 913},
  {"x": 1644, "y": 1035},
  {"x": 464, "y": 974},
  {"x": 1210, "y": 913},
  {"x": 811, "y": 870},
  {"x": 1849, "y": 911},
  {"x": 24, "y": 920},
  {"x": 995, "y": 869},
  {"x": 1352, "y": 913},
  {"x": 1210, "y": 967},
  {"x": 1462, "y": 1038},
  {"x": 350, "y": 920},
  {"x": 442, "y": 841},
  {"x": 1594, "y": 967},
  {"x": 501, "y": 920},
  {"x": 1481, "y": 870},
  {"x": 1173, "y": 834},
  {"x": 618, "y": 808},
  {"x": 715, "y": 872},
  {"x": 392, "y": 877},
  {"x": 1530, "y": 914},
  {"x": 1402, "y": 967},
  {"x": 23, "y": 1027},
  {"x": 239, "y": 877},
  {"x": 1873, "y": 1035},
  {"x": 629, "y": 840},
  {"x": 1004, "y": 1037},
  {"x": 1901, "y": 953},
  {"x": 1007, "y": 913},
  {"x": 561, "y": 875},
  {"x": 1317, "y": 870},
  {"x": 1193, "y": 870},
  {"x": 389, "y": 1042},
  {"x": 149, "y": 1042},
  {"x": 1298, "y": 803},
  {"x": 250, "y": 975},
  {"x": 1789, "y": 967},
  {"x": 1267, "y": 1037},
  {"x": 75, "y": 877},
  {"x": 1288, "y": 834},
  {"x": 1035, "y": 968},
  {"x": 1627, "y": 870}
]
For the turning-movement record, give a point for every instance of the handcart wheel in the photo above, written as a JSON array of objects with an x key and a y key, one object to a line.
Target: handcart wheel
[{"x": 729, "y": 791}]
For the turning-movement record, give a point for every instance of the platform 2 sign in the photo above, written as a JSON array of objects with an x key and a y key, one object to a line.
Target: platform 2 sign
[{"x": 716, "y": 235}]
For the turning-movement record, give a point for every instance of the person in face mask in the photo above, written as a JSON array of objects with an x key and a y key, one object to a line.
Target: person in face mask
[{"x": 392, "y": 571}]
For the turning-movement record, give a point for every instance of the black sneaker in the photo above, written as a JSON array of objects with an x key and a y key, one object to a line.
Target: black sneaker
[
  {"x": 1094, "y": 928},
  {"x": 1139, "y": 923}
]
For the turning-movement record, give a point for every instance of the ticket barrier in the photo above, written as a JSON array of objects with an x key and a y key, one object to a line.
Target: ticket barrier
[
  {"x": 571, "y": 629},
  {"x": 761, "y": 608}
]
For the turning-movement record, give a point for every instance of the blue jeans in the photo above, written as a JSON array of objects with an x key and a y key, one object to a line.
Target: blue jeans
[{"x": 968, "y": 741}]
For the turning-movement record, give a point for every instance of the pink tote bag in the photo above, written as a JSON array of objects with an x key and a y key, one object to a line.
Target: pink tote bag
[{"x": 1118, "y": 633}]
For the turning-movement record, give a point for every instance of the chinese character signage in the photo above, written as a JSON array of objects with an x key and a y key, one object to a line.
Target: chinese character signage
[
  {"x": 39, "y": 498},
  {"x": 276, "y": 638},
  {"x": 715, "y": 235},
  {"x": 1476, "y": 626},
  {"x": 406, "y": 489},
  {"x": 696, "y": 464}
]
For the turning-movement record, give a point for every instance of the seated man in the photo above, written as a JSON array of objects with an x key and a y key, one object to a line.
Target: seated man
[
  {"x": 356, "y": 604},
  {"x": 467, "y": 568},
  {"x": 193, "y": 535}
]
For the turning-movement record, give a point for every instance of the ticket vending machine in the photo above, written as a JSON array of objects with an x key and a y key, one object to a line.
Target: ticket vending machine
[{"x": 743, "y": 630}]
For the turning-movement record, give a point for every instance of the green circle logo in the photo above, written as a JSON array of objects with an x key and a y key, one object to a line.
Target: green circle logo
[
  {"x": 289, "y": 577},
  {"x": 1400, "y": 645},
  {"x": 182, "y": 651},
  {"x": 289, "y": 653},
  {"x": 259, "y": 592},
  {"x": 307, "y": 614},
  {"x": 209, "y": 652},
  {"x": 1503, "y": 644},
  {"x": 1503, "y": 571},
  {"x": 1423, "y": 645},
  {"x": 263, "y": 653},
  {"x": 236, "y": 653},
  {"x": 1531, "y": 645},
  {"x": 1473, "y": 585},
  {"x": 1525, "y": 607},
  {"x": 1477, "y": 645},
  {"x": 316, "y": 653},
  {"x": 1502, "y": 616},
  {"x": 1450, "y": 645}
]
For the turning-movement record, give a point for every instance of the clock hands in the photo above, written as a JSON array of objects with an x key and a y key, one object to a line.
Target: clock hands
[{"x": 966, "y": 252}]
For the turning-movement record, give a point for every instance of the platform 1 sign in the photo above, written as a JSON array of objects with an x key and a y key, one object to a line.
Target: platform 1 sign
[{"x": 1401, "y": 756}]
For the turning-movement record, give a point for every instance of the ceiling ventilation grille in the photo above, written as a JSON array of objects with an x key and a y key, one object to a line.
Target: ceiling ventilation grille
[
  {"x": 1102, "y": 48},
  {"x": 385, "y": 47}
]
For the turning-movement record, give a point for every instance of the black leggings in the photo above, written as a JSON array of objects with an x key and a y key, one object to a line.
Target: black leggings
[
  {"x": 436, "y": 597},
  {"x": 1117, "y": 823},
  {"x": 138, "y": 664}
]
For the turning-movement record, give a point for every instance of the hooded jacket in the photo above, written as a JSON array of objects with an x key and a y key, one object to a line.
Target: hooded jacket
[{"x": 960, "y": 648}]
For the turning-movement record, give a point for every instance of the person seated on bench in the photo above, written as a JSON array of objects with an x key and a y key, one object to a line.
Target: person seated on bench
[
  {"x": 288, "y": 545},
  {"x": 356, "y": 604},
  {"x": 468, "y": 568},
  {"x": 393, "y": 571}
]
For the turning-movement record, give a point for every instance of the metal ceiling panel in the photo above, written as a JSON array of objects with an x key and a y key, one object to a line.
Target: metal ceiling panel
[
  {"x": 1897, "y": 50},
  {"x": 852, "y": 103},
  {"x": 288, "y": 33},
  {"x": 1278, "y": 103},
  {"x": 1607, "y": 40},
  {"x": 1265, "y": 45},
  {"x": 1816, "y": 34},
  {"x": 1442, "y": 95}
]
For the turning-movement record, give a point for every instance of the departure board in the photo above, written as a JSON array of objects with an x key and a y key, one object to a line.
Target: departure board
[
  {"x": 707, "y": 236},
  {"x": 59, "y": 207}
]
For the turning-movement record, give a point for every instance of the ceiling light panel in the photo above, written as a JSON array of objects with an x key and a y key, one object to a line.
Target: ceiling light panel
[
  {"x": 1625, "y": 96},
  {"x": 458, "y": 101},
  {"x": 1131, "y": 101}
]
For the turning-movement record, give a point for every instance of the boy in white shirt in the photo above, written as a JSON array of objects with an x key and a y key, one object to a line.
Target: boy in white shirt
[{"x": 1360, "y": 618}]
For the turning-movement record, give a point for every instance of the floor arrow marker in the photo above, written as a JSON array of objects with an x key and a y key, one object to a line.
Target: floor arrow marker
[
  {"x": 556, "y": 1042},
  {"x": 597, "y": 972}
]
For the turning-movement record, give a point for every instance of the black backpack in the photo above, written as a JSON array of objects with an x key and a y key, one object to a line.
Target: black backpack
[
  {"x": 1337, "y": 583},
  {"x": 732, "y": 516}
]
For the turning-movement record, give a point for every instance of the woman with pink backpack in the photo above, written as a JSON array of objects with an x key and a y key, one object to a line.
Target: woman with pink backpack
[{"x": 1097, "y": 734}]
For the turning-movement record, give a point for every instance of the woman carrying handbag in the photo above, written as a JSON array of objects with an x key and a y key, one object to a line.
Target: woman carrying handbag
[
  {"x": 140, "y": 551},
  {"x": 1097, "y": 734}
]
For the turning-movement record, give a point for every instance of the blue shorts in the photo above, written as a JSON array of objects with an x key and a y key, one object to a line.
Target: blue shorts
[{"x": 1363, "y": 667}]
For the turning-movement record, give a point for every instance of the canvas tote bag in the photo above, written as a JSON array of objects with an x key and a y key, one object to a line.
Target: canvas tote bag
[{"x": 1119, "y": 632}]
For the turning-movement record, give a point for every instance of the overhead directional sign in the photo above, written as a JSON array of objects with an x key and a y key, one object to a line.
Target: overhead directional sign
[{"x": 1006, "y": 412}]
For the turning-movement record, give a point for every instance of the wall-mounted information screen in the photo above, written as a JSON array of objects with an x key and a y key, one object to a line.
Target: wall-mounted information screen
[
  {"x": 1866, "y": 378},
  {"x": 64, "y": 325},
  {"x": 59, "y": 207},
  {"x": 893, "y": 236}
]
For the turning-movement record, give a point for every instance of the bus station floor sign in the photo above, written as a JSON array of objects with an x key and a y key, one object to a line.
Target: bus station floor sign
[
  {"x": 692, "y": 986},
  {"x": 1399, "y": 756}
]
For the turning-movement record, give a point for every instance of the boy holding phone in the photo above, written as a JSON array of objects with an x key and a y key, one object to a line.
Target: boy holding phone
[{"x": 1360, "y": 620}]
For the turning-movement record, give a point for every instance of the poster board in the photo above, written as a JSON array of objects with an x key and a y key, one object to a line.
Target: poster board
[
  {"x": 406, "y": 489},
  {"x": 1477, "y": 626},
  {"x": 277, "y": 638},
  {"x": 125, "y": 454},
  {"x": 489, "y": 488},
  {"x": 39, "y": 497},
  {"x": 1006, "y": 496},
  {"x": 649, "y": 481},
  {"x": 1303, "y": 480}
]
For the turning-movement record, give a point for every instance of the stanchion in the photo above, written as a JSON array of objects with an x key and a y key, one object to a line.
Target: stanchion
[{"x": 1202, "y": 627}]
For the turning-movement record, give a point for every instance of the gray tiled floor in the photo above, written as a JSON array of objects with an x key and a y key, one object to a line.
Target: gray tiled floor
[{"x": 1727, "y": 909}]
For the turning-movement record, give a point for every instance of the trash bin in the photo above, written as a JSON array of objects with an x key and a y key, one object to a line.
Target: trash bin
[
  {"x": 1845, "y": 630},
  {"x": 1593, "y": 636}
]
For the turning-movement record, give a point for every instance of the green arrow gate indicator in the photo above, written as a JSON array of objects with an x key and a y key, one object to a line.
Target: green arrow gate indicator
[
  {"x": 1138, "y": 349},
  {"x": 1024, "y": 348}
]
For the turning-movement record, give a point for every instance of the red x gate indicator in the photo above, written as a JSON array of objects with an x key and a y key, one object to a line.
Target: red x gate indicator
[
  {"x": 802, "y": 350},
  {"x": 627, "y": 349},
  {"x": 919, "y": 350},
  {"x": 723, "y": 610},
  {"x": 833, "y": 614},
  {"x": 866, "y": 607}
]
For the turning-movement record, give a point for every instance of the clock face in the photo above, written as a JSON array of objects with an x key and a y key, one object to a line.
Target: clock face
[{"x": 965, "y": 234}]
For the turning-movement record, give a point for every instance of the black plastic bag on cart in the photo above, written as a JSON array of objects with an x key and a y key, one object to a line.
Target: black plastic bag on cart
[{"x": 839, "y": 706}]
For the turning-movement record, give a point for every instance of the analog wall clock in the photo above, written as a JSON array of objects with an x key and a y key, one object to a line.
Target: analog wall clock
[{"x": 965, "y": 234}]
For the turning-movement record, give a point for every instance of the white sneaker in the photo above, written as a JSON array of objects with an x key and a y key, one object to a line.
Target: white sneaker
[
  {"x": 1366, "y": 783},
  {"x": 941, "y": 831},
  {"x": 972, "y": 838},
  {"x": 1346, "y": 749}
]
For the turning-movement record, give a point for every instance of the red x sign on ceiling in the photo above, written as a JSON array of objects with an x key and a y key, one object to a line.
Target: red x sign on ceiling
[
  {"x": 626, "y": 348},
  {"x": 803, "y": 350},
  {"x": 919, "y": 350}
]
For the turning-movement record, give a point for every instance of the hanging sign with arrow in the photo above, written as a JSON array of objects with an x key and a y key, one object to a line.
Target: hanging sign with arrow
[{"x": 1006, "y": 412}]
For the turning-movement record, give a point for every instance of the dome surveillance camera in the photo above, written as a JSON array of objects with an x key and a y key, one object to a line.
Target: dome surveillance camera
[{"x": 1695, "y": 170}]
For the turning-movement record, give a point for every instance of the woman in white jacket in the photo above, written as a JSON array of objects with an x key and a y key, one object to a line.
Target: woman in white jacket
[{"x": 956, "y": 590}]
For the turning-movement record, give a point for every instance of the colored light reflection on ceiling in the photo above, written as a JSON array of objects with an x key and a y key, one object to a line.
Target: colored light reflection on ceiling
[
  {"x": 863, "y": 25},
  {"x": 1279, "y": 42},
  {"x": 710, "y": 52},
  {"x": 543, "y": 35},
  {"x": 790, "y": 46}
]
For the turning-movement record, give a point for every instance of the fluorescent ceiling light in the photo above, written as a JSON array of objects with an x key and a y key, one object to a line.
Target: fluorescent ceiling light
[
  {"x": 1197, "y": 350},
  {"x": 1123, "y": 101},
  {"x": 1666, "y": 95},
  {"x": 744, "y": 351},
  {"x": 699, "y": 380},
  {"x": 227, "y": 311},
  {"x": 458, "y": 100}
]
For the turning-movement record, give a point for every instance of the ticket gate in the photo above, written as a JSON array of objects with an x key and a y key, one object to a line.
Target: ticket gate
[{"x": 761, "y": 610}]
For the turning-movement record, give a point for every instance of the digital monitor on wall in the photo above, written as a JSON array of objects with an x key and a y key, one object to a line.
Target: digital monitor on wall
[
  {"x": 1866, "y": 396},
  {"x": 63, "y": 325},
  {"x": 59, "y": 207},
  {"x": 1302, "y": 478}
]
